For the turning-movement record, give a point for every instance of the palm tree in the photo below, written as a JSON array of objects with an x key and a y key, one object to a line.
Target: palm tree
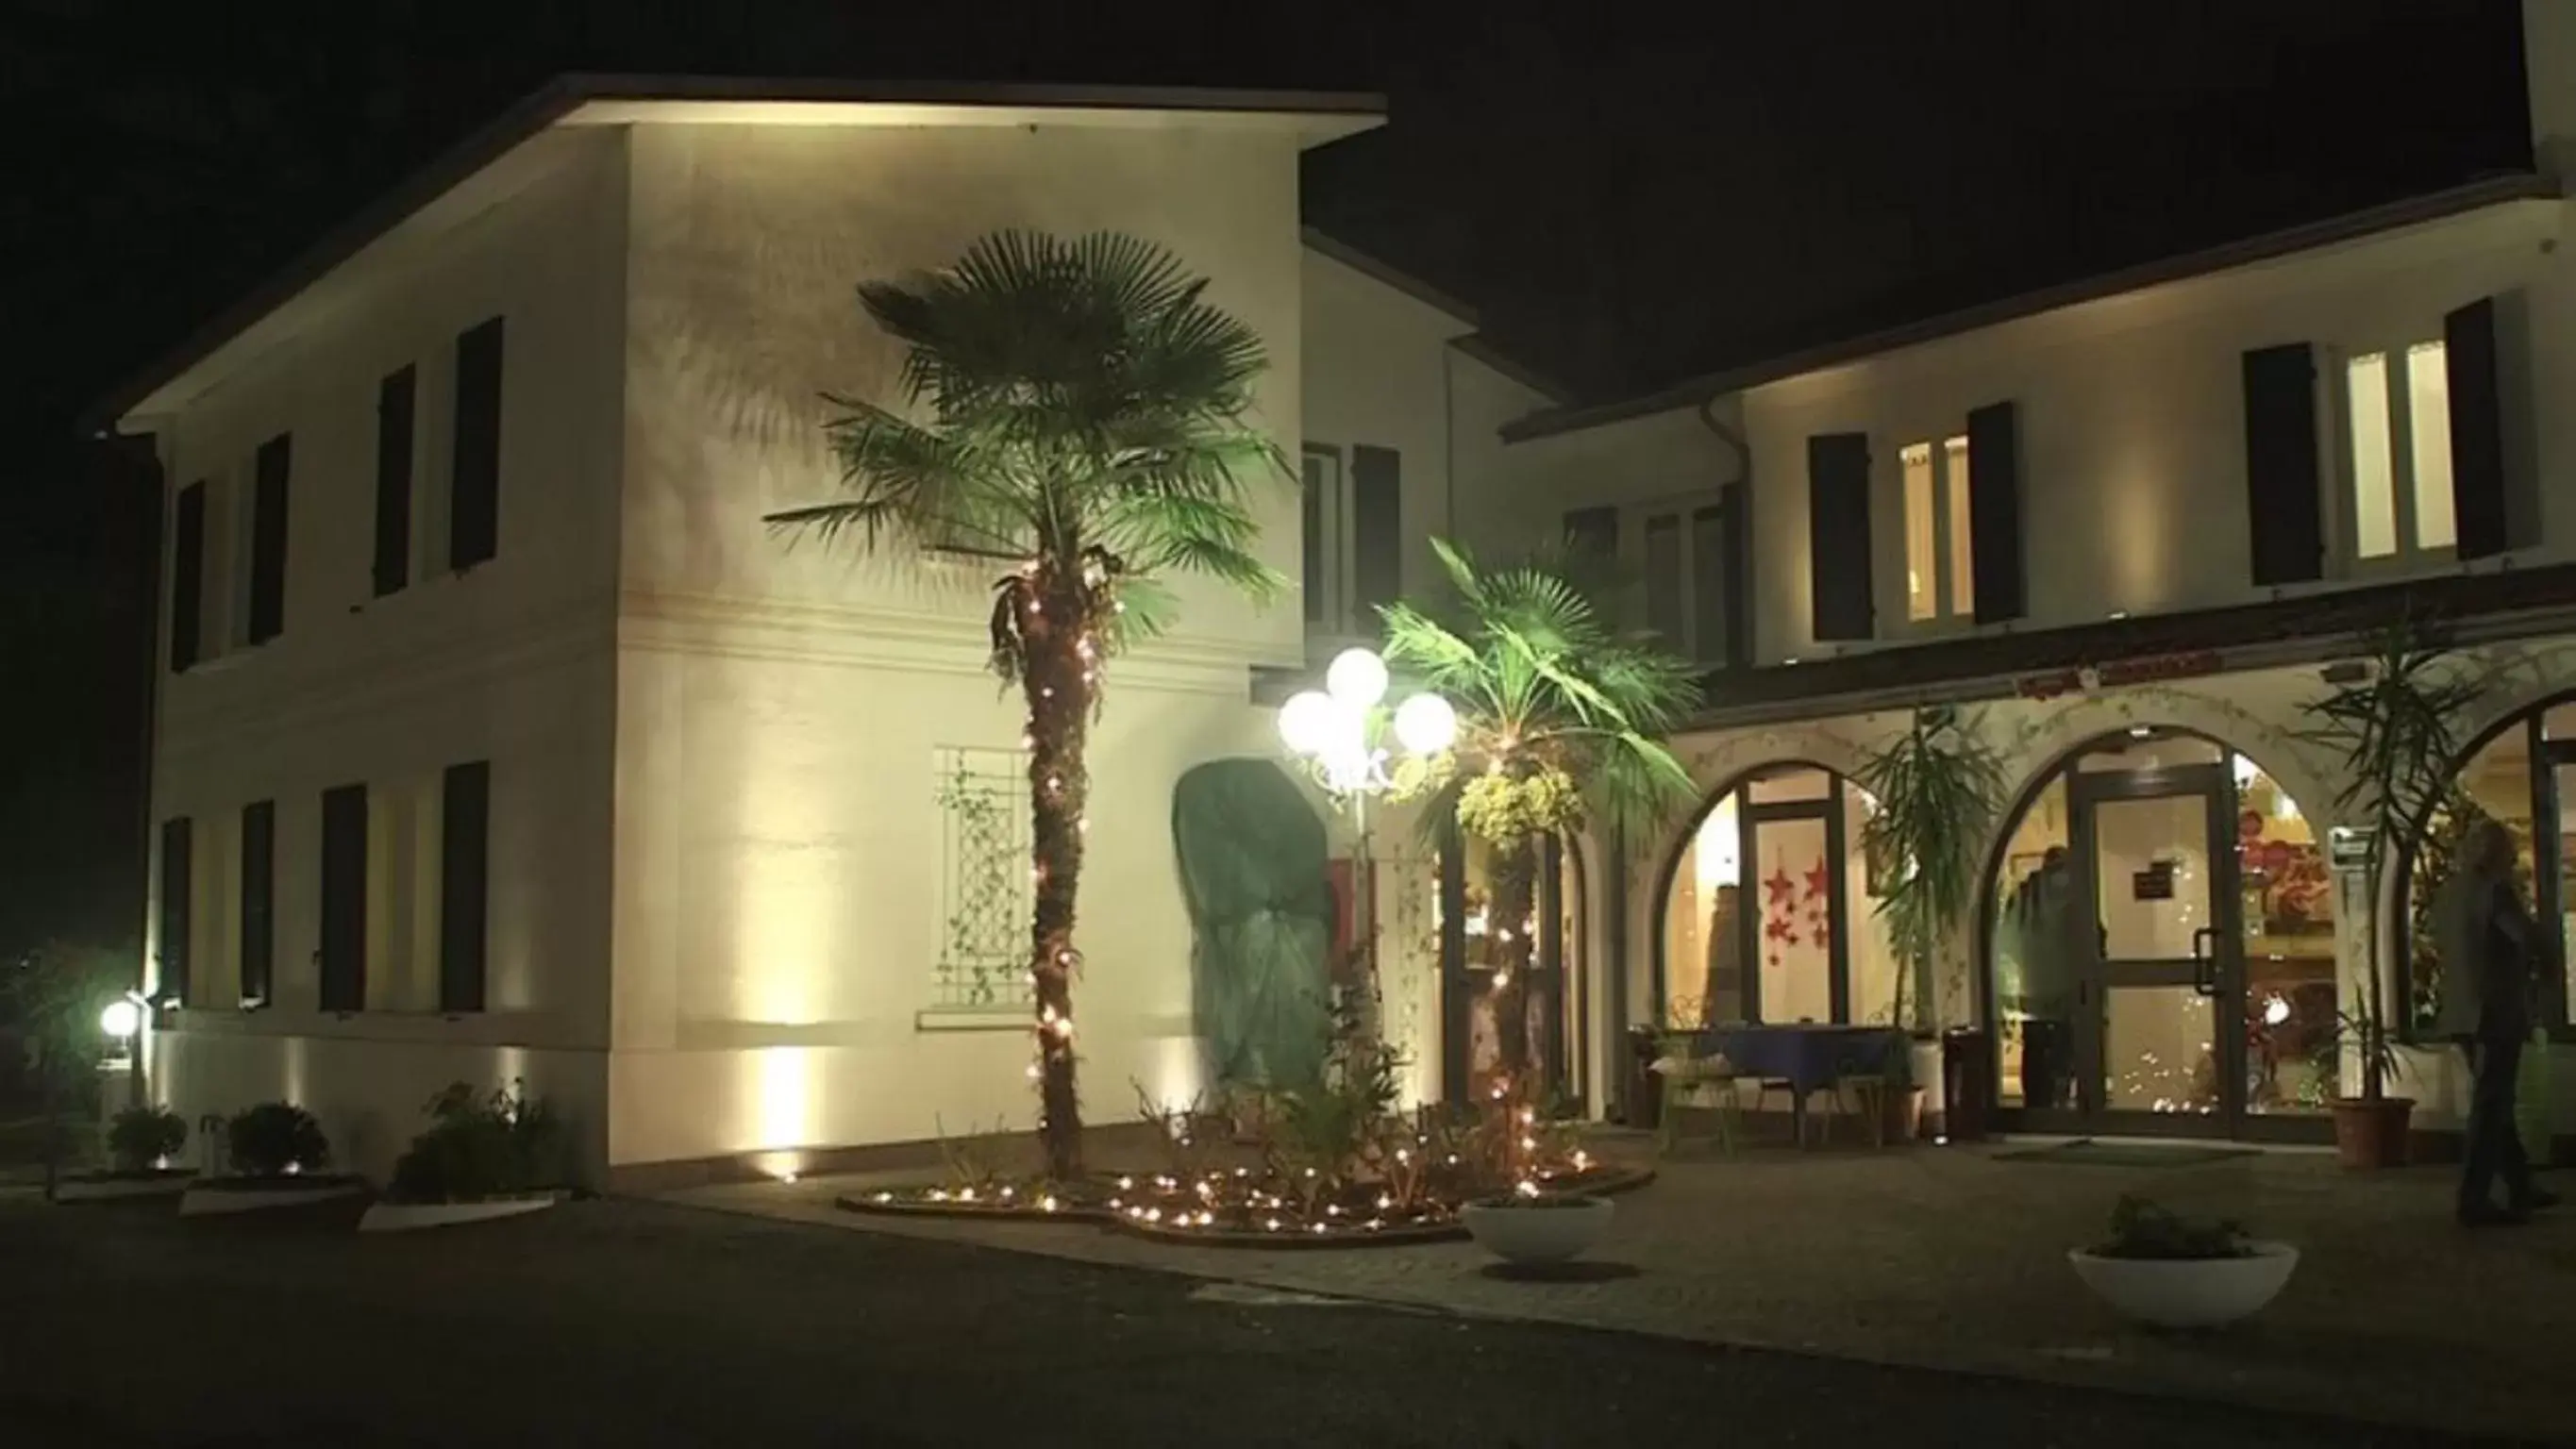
[
  {"x": 1559, "y": 719},
  {"x": 1077, "y": 408}
]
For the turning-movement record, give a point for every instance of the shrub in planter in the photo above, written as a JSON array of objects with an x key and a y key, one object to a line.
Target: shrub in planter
[
  {"x": 141, "y": 1139},
  {"x": 275, "y": 1139},
  {"x": 479, "y": 1147},
  {"x": 2164, "y": 1269}
]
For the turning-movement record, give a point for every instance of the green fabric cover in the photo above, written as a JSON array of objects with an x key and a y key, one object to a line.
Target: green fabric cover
[{"x": 1254, "y": 869}]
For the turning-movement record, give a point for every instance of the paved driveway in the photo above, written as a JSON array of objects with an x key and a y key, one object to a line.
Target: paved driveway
[
  {"x": 633, "y": 1324},
  {"x": 1950, "y": 1258}
]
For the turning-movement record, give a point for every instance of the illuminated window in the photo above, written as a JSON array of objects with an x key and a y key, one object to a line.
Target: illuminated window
[
  {"x": 2397, "y": 419},
  {"x": 983, "y": 880},
  {"x": 1937, "y": 555}
]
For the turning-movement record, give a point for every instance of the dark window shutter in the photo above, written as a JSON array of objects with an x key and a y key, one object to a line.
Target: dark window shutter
[
  {"x": 1994, "y": 513},
  {"x": 1715, "y": 603},
  {"x": 1592, "y": 532},
  {"x": 2477, "y": 431},
  {"x": 393, "y": 480},
  {"x": 1838, "y": 535},
  {"x": 258, "y": 898},
  {"x": 464, "y": 873},
  {"x": 1377, "y": 528},
  {"x": 1664, "y": 580},
  {"x": 178, "y": 887},
  {"x": 268, "y": 538},
  {"x": 1315, "y": 476},
  {"x": 2283, "y": 498},
  {"x": 474, "y": 502},
  {"x": 187, "y": 576},
  {"x": 344, "y": 898}
]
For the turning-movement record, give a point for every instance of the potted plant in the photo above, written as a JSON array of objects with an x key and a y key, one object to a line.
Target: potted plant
[
  {"x": 2396, "y": 730},
  {"x": 1935, "y": 791},
  {"x": 482, "y": 1157},
  {"x": 275, "y": 1156},
  {"x": 2168, "y": 1271},
  {"x": 1530, "y": 1227}
]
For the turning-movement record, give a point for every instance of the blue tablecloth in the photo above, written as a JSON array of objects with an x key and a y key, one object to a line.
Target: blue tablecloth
[{"x": 1809, "y": 1056}]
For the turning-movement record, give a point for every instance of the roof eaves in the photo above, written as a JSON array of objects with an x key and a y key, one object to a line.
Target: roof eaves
[{"x": 2409, "y": 211}]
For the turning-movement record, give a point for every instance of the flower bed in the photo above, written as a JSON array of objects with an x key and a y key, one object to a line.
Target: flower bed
[{"x": 1243, "y": 1208}]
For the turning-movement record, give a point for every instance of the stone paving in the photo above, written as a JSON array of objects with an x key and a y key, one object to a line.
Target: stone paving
[{"x": 1952, "y": 1258}]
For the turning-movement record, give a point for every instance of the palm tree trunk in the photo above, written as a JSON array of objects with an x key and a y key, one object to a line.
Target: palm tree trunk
[
  {"x": 1515, "y": 894},
  {"x": 1056, "y": 683}
]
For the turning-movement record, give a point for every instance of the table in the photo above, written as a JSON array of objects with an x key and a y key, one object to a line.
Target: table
[{"x": 1809, "y": 1056}]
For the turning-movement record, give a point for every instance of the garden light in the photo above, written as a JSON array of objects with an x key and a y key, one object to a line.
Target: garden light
[
  {"x": 121, "y": 1019},
  {"x": 1356, "y": 678}
]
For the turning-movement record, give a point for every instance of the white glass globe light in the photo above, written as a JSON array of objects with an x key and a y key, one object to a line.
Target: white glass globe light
[
  {"x": 121, "y": 1019},
  {"x": 1356, "y": 678},
  {"x": 1307, "y": 721},
  {"x": 1425, "y": 724}
]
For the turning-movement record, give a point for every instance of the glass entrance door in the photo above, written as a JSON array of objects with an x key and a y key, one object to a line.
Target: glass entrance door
[{"x": 2156, "y": 1046}]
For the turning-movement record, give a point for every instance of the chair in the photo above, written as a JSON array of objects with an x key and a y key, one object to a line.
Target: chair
[
  {"x": 1685, "y": 1078},
  {"x": 1869, "y": 1093},
  {"x": 1863, "y": 1086}
]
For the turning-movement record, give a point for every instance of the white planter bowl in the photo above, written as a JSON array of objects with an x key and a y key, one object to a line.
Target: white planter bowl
[
  {"x": 404, "y": 1217},
  {"x": 2192, "y": 1293},
  {"x": 1523, "y": 1234}
]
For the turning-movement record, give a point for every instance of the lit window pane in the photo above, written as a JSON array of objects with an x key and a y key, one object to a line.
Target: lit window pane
[
  {"x": 2428, "y": 412},
  {"x": 1922, "y": 564},
  {"x": 1963, "y": 596},
  {"x": 2374, "y": 488}
]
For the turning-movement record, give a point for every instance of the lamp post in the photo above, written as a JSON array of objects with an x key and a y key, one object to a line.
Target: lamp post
[{"x": 1342, "y": 732}]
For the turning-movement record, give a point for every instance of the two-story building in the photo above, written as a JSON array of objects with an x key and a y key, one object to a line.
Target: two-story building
[
  {"x": 499, "y": 739},
  {"x": 2132, "y": 526}
]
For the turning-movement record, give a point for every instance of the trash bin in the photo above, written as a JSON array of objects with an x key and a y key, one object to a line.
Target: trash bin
[
  {"x": 1967, "y": 1083},
  {"x": 1644, "y": 1101}
]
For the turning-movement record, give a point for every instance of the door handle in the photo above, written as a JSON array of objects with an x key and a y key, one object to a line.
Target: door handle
[{"x": 2204, "y": 961}]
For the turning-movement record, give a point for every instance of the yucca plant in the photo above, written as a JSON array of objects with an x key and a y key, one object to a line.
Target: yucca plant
[
  {"x": 2396, "y": 731},
  {"x": 1937, "y": 789},
  {"x": 1560, "y": 722},
  {"x": 1078, "y": 409}
]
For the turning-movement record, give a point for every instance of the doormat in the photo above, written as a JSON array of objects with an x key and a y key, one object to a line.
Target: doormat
[{"x": 2085, "y": 1152}]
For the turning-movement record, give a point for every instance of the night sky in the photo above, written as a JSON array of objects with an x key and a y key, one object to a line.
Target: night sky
[{"x": 1629, "y": 200}]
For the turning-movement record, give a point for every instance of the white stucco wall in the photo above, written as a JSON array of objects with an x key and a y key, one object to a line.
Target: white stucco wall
[
  {"x": 510, "y": 663},
  {"x": 778, "y": 879},
  {"x": 2132, "y": 419}
]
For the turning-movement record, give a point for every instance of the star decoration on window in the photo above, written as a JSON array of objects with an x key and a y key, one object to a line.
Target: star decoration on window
[
  {"x": 1782, "y": 887},
  {"x": 1818, "y": 879}
]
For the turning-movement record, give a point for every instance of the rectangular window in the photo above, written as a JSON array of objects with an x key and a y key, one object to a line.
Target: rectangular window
[
  {"x": 464, "y": 828},
  {"x": 178, "y": 914},
  {"x": 1940, "y": 576},
  {"x": 1377, "y": 533},
  {"x": 2397, "y": 418},
  {"x": 268, "y": 539},
  {"x": 2374, "y": 469},
  {"x": 474, "y": 496},
  {"x": 983, "y": 798},
  {"x": 187, "y": 576},
  {"x": 1922, "y": 556},
  {"x": 395, "y": 400},
  {"x": 258, "y": 900},
  {"x": 344, "y": 898},
  {"x": 2428, "y": 417},
  {"x": 1954, "y": 487}
]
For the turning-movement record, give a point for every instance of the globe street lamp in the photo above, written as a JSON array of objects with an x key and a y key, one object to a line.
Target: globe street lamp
[{"x": 1342, "y": 732}]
